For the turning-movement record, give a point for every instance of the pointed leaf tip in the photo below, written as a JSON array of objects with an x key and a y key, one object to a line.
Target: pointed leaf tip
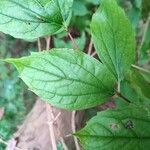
[
  {"x": 47, "y": 17},
  {"x": 113, "y": 38},
  {"x": 66, "y": 78}
]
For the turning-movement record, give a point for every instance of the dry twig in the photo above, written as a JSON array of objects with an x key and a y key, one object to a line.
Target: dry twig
[
  {"x": 48, "y": 42},
  {"x": 50, "y": 118},
  {"x": 93, "y": 54},
  {"x": 39, "y": 45},
  {"x": 74, "y": 130},
  {"x": 7, "y": 144},
  {"x": 90, "y": 47},
  {"x": 63, "y": 144}
]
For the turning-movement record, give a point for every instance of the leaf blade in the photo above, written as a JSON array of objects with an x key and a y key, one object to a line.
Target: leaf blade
[
  {"x": 113, "y": 38},
  {"x": 35, "y": 18},
  {"x": 66, "y": 78},
  {"x": 117, "y": 128}
]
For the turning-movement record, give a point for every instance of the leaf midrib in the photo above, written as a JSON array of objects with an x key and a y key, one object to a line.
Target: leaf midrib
[
  {"x": 116, "y": 137},
  {"x": 68, "y": 95},
  {"x": 58, "y": 75},
  {"x": 43, "y": 17},
  {"x": 87, "y": 72}
]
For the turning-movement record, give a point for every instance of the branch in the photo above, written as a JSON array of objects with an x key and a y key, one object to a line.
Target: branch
[
  {"x": 90, "y": 47},
  {"x": 48, "y": 41},
  {"x": 64, "y": 144},
  {"x": 7, "y": 144},
  {"x": 141, "y": 69},
  {"x": 39, "y": 45},
  {"x": 118, "y": 87},
  {"x": 72, "y": 40},
  {"x": 50, "y": 115},
  {"x": 74, "y": 130},
  {"x": 121, "y": 96},
  {"x": 93, "y": 54},
  {"x": 50, "y": 118},
  {"x": 62, "y": 140}
]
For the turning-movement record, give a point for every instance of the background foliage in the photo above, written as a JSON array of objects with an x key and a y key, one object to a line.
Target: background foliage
[{"x": 15, "y": 99}]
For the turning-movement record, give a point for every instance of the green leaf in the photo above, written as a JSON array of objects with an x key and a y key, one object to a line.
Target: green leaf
[
  {"x": 138, "y": 81},
  {"x": 145, "y": 72},
  {"x": 135, "y": 87},
  {"x": 79, "y": 8},
  {"x": 31, "y": 19},
  {"x": 126, "y": 129},
  {"x": 145, "y": 44},
  {"x": 94, "y": 2},
  {"x": 133, "y": 92},
  {"x": 134, "y": 12},
  {"x": 66, "y": 78},
  {"x": 113, "y": 38},
  {"x": 145, "y": 9}
]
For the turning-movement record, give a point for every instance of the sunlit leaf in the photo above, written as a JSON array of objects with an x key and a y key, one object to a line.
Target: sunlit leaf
[
  {"x": 66, "y": 78},
  {"x": 113, "y": 38}
]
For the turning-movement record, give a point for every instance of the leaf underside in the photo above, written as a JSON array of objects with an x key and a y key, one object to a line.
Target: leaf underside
[{"x": 66, "y": 78}]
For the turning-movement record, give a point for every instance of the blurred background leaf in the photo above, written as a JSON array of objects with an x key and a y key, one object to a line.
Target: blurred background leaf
[{"x": 15, "y": 99}]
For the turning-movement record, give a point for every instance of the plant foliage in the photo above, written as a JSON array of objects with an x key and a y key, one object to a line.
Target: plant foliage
[
  {"x": 35, "y": 18},
  {"x": 71, "y": 79},
  {"x": 113, "y": 38},
  {"x": 81, "y": 82},
  {"x": 126, "y": 128}
]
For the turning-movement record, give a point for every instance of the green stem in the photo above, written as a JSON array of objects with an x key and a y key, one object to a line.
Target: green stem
[
  {"x": 141, "y": 69},
  {"x": 121, "y": 96}
]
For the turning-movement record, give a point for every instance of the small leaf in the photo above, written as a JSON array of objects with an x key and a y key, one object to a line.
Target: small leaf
[
  {"x": 79, "y": 8},
  {"x": 133, "y": 93},
  {"x": 113, "y": 38},
  {"x": 94, "y": 2},
  {"x": 144, "y": 71},
  {"x": 145, "y": 44},
  {"x": 66, "y": 78},
  {"x": 138, "y": 81},
  {"x": 135, "y": 87},
  {"x": 126, "y": 129},
  {"x": 30, "y": 19}
]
